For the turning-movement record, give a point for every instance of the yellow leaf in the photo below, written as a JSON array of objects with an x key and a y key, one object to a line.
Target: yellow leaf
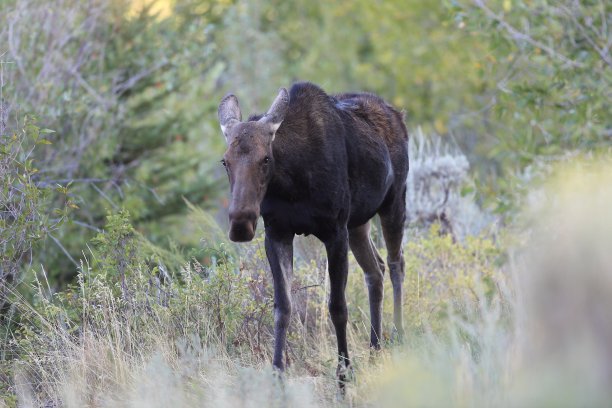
[{"x": 507, "y": 5}]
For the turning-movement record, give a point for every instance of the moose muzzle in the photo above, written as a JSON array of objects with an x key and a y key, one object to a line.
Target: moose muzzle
[{"x": 242, "y": 225}]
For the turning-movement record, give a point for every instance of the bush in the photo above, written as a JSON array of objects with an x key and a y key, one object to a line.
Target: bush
[
  {"x": 550, "y": 72},
  {"x": 127, "y": 302},
  {"x": 439, "y": 189},
  {"x": 25, "y": 216},
  {"x": 129, "y": 97}
]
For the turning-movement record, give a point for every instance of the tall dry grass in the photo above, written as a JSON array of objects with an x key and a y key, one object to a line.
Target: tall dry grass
[{"x": 529, "y": 329}]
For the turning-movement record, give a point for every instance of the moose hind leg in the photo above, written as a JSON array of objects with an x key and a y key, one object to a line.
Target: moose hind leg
[
  {"x": 280, "y": 256},
  {"x": 337, "y": 257},
  {"x": 392, "y": 222},
  {"x": 373, "y": 267}
]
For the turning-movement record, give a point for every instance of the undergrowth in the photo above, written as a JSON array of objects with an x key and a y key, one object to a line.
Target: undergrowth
[
  {"x": 483, "y": 325},
  {"x": 128, "y": 310}
]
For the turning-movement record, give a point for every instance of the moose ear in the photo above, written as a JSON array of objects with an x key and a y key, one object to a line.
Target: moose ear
[
  {"x": 277, "y": 111},
  {"x": 229, "y": 114}
]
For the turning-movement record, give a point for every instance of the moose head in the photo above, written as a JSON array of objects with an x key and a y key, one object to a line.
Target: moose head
[{"x": 248, "y": 160}]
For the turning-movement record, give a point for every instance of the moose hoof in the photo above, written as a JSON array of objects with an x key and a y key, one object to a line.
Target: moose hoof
[
  {"x": 375, "y": 353},
  {"x": 398, "y": 336},
  {"x": 345, "y": 374}
]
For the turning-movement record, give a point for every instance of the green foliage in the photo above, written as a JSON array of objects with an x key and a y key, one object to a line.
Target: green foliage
[
  {"x": 514, "y": 83},
  {"x": 25, "y": 221},
  {"x": 123, "y": 278},
  {"x": 445, "y": 282},
  {"x": 125, "y": 295},
  {"x": 552, "y": 83},
  {"x": 117, "y": 250},
  {"x": 25, "y": 218},
  {"x": 129, "y": 97},
  {"x": 443, "y": 278}
]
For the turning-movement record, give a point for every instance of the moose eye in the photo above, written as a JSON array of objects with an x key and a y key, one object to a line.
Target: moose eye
[
  {"x": 266, "y": 160},
  {"x": 223, "y": 163}
]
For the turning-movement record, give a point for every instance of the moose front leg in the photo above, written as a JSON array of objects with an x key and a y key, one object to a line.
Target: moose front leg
[
  {"x": 280, "y": 256},
  {"x": 337, "y": 259}
]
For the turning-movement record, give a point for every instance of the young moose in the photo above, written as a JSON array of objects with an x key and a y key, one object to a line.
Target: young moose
[{"x": 322, "y": 165}]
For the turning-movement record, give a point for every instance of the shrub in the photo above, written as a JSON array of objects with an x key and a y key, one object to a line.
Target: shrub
[
  {"x": 129, "y": 96},
  {"x": 129, "y": 303},
  {"x": 439, "y": 188},
  {"x": 25, "y": 216}
]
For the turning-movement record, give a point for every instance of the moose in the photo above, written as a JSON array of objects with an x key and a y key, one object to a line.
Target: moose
[{"x": 322, "y": 165}]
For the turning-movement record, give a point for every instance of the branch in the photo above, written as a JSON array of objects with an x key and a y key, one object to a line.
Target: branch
[
  {"x": 131, "y": 82},
  {"x": 46, "y": 183},
  {"x": 517, "y": 35},
  {"x": 603, "y": 52},
  {"x": 64, "y": 250},
  {"x": 79, "y": 78}
]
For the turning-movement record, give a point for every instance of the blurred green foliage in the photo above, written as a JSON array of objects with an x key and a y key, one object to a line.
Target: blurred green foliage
[
  {"x": 129, "y": 99},
  {"x": 444, "y": 281},
  {"x": 132, "y": 94},
  {"x": 553, "y": 85},
  {"x": 442, "y": 278},
  {"x": 25, "y": 216}
]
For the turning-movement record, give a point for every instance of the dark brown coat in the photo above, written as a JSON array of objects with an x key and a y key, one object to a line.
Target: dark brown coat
[{"x": 322, "y": 165}]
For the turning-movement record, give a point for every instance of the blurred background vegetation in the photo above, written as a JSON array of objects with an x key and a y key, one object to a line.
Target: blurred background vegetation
[
  {"x": 130, "y": 90},
  {"x": 108, "y": 108}
]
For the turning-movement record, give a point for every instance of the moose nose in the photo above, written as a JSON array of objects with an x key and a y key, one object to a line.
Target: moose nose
[{"x": 242, "y": 225}]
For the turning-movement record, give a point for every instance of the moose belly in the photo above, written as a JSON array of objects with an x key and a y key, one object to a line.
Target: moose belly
[{"x": 369, "y": 188}]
